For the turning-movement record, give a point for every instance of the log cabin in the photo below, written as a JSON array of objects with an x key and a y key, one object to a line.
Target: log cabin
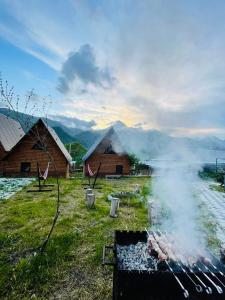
[
  {"x": 10, "y": 133},
  {"x": 40, "y": 145},
  {"x": 108, "y": 151}
]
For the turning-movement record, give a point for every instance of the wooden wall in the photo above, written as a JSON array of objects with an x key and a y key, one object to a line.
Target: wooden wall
[
  {"x": 23, "y": 152},
  {"x": 2, "y": 152},
  {"x": 108, "y": 163}
]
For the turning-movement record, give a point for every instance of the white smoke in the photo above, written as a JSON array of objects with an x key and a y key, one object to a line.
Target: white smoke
[{"x": 173, "y": 187}]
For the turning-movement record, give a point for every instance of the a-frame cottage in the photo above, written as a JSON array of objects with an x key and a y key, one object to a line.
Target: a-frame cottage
[
  {"x": 108, "y": 151},
  {"x": 39, "y": 145},
  {"x": 10, "y": 133}
]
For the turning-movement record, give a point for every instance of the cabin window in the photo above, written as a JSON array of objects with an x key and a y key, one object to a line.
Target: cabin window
[
  {"x": 119, "y": 169},
  {"x": 109, "y": 150},
  {"x": 38, "y": 146},
  {"x": 25, "y": 167}
]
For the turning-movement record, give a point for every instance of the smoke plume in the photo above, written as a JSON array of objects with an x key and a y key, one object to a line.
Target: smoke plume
[{"x": 174, "y": 192}]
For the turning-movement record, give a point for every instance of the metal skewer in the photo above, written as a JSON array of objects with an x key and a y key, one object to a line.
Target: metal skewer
[
  {"x": 198, "y": 287},
  {"x": 207, "y": 288},
  {"x": 217, "y": 287},
  {"x": 221, "y": 273},
  {"x": 214, "y": 275},
  {"x": 185, "y": 292}
]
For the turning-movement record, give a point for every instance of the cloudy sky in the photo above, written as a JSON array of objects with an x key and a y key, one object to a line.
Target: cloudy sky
[{"x": 151, "y": 64}]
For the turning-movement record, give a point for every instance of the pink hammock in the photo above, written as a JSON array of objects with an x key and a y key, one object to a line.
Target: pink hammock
[
  {"x": 45, "y": 175},
  {"x": 90, "y": 173}
]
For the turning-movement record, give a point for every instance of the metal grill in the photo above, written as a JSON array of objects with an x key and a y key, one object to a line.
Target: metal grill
[{"x": 151, "y": 279}]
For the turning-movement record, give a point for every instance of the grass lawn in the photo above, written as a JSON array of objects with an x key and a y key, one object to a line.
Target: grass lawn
[{"x": 71, "y": 265}]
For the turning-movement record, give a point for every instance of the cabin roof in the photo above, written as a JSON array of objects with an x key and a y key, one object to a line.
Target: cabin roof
[
  {"x": 107, "y": 134},
  {"x": 53, "y": 135},
  {"x": 58, "y": 141},
  {"x": 10, "y": 132}
]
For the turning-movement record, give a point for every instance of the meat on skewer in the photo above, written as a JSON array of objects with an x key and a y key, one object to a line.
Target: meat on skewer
[{"x": 152, "y": 245}]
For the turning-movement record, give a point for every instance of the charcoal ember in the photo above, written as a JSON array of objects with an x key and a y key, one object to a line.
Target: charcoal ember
[
  {"x": 152, "y": 262},
  {"x": 134, "y": 257}
]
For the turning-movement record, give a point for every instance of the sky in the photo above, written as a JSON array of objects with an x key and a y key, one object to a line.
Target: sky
[{"x": 152, "y": 64}]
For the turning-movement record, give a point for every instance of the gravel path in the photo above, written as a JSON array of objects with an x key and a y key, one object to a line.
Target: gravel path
[{"x": 215, "y": 202}]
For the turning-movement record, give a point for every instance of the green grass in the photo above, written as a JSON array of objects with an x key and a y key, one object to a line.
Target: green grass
[{"x": 71, "y": 266}]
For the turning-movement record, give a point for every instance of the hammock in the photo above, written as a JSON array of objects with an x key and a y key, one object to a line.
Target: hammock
[
  {"x": 40, "y": 176},
  {"x": 93, "y": 174},
  {"x": 45, "y": 175},
  {"x": 90, "y": 173}
]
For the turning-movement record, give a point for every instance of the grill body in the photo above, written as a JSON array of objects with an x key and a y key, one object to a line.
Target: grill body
[{"x": 154, "y": 285}]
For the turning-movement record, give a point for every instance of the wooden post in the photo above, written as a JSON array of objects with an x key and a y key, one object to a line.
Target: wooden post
[
  {"x": 96, "y": 176},
  {"x": 88, "y": 191},
  {"x": 38, "y": 174},
  {"x": 114, "y": 207},
  {"x": 90, "y": 200}
]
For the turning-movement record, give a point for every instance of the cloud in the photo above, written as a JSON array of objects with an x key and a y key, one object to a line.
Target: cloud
[
  {"x": 205, "y": 116},
  {"x": 139, "y": 124},
  {"x": 81, "y": 66},
  {"x": 167, "y": 57},
  {"x": 74, "y": 122}
]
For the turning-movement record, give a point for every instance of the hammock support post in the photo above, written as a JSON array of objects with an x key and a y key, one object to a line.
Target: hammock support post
[
  {"x": 96, "y": 176},
  {"x": 92, "y": 174},
  {"x": 43, "y": 177}
]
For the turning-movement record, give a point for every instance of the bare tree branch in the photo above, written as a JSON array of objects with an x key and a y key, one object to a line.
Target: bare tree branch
[{"x": 13, "y": 103}]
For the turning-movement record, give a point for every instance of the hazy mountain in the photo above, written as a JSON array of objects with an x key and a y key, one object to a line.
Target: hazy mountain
[
  {"x": 64, "y": 136},
  {"x": 146, "y": 144},
  {"x": 87, "y": 138},
  {"x": 155, "y": 144},
  {"x": 27, "y": 120}
]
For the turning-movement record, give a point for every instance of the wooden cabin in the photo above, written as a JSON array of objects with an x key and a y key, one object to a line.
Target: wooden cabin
[
  {"x": 109, "y": 152},
  {"x": 39, "y": 145},
  {"x": 10, "y": 133}
]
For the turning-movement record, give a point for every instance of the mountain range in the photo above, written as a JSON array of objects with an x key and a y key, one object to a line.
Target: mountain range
[{"x": 146, "y": 144}]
